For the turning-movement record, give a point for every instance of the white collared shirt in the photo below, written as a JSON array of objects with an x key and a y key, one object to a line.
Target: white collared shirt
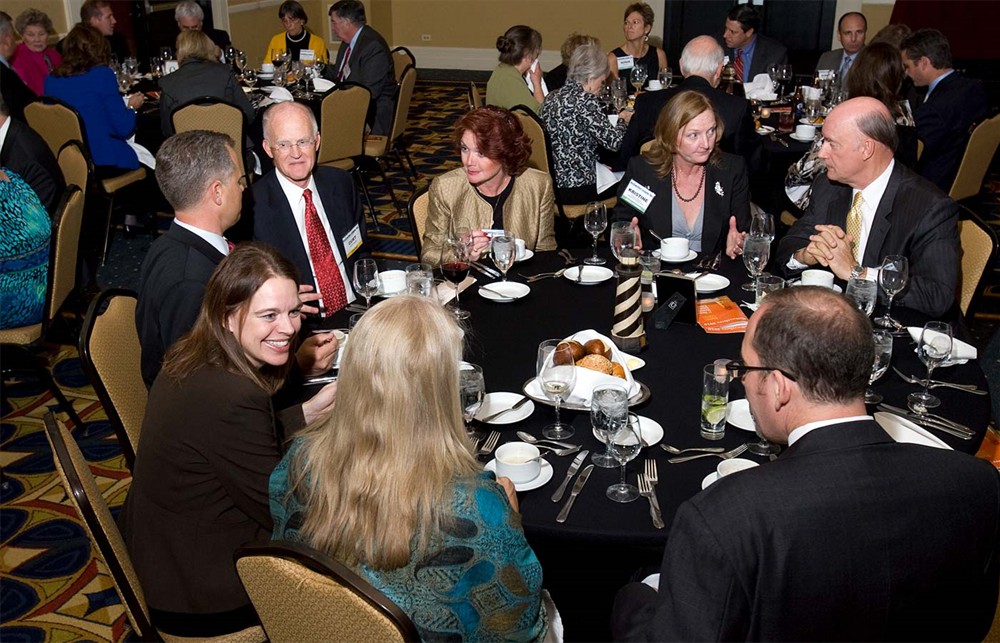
[
  {"x": 3, "y": 131},
  {"x": 934, "y": 83},
  {"x": 812, "y": 426},
  {"x": 345, "y": 66},
  {"x": 297, "y": 201},
  {"x": 217, "y": 241}
]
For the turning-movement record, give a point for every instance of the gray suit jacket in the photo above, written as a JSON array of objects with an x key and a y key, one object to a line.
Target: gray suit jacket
[
  {"x": 831, "y": 60},
  {"x": 371, "y": 66}
]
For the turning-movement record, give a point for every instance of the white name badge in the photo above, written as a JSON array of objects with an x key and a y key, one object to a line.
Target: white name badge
[
  {"x": 352, "y": 241},
  {"x": 637, "y": 196},
  {"x": 625, "y": 62},
  {"x": 307, "y": 55}
]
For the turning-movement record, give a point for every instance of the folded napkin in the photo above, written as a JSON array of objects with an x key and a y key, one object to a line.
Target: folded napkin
[
  {"x": 606, "y": 178},
  {"x": 278, "y": 94},
  {"x": 760, "y": 88},
  {"x": 446, "y": 290},
  {"x": 811, "y": 93},
  {"x": 323, "y": 85},
  {"x": 145, "y": 156},
  {"x": 721, "y": 316},
  {"x": 961, "y": 352}
]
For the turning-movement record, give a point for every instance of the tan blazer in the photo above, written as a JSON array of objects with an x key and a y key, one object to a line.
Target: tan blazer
[{"x": 527, "y": 214}]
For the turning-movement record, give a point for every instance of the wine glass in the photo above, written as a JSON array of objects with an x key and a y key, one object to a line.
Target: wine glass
[
  {"x": 166, "y": 53},
  {"x": 772, "y": 73},
  {"x": 863, "y": 293},
  {"x": 762, "y": 225},
  {"x": 622, "y": 240},
  {"x": 666, "y": 77},
  {"x": 883, "y": 355},
  {"x": 455, "y": 264},
  {"x": 366, "y": 279},
  {"x": 933, "y": 348},
  {"x": 295, "y": 71},
  {"x": 557, "y": 377},
  {"x": 471, "y": 387},
  {"x": 638, "y": 77},
  {"x": 608, "y": 411},
  {"x": 892, "y": 277},
  {"x": 124, "y": 80},
  {"x": 595, "y": 220},
  {"x": 504, "y": 251},
  {"x": 156, "y": 67},
  {"x": 784, "y": 76},
  {"x": 624, "y": 444},
  {"x": 230, "y": 55},
  {"x": 250, "y": 78},
  {"x": 756, "y": 252},
  {"x": 241, "y": 60},
  {"x": 277, "y": 57},
  {"x": 131, "y": 66}
]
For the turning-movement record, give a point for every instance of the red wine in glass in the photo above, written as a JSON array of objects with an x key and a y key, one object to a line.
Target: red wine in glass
[{"x": 455, "y": 271}]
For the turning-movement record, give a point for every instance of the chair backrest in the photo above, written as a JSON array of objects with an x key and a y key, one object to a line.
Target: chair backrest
[
  {"x": 401, "y": 58},
  {"x": 110, "y": 352},
  {"x": 303, "y": 595},
  {"x": 417, "y": 211},
  {"x": 978, "y": 154},
  {"x": 342, "y": 122},
  {"x": 979, "y": 247},
  {"x": 402, "y": 114},
  {"x": 475, "y": 98},
  {"x": 540, "y": 158},
  {"x": 74, "y": 164},
  {"x": 65, "y": 248},
  {"x": 216, "y": 115},
  {"x": 55, "y": 121},
  {"x": 93, "y": 509}
]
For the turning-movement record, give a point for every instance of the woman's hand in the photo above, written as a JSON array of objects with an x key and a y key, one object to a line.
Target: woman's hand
[
  {"x": 316, "y": 354},
  {"x": 734, "y": 240},
  {"x": 626, "y": 115},
  {"x": 508, "y": 487},
  {"x": 638, "y": 234},
  {"x": 320, "y": 405},
  {"x": 478, "y": 245},
  {"x": 136, "y": 100}
]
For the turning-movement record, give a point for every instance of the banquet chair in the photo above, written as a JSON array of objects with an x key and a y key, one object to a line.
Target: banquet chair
[
  {"x": 401, "y": 59},
  {"x": 475, "y": 98},
  {"x": 416, "y": 209},
  {"x": 73, "y": 162},
  {"x": 17, "y": 356},
  {"x": 342, "y": 120},
  {"x": 303, "y": 595},
  {"x": 979, "y": 248},
  {"x": 976, "y": 160},
  {"x": 83, "y": 492},
  {"x": 215, "y": 115},
  {"x": 110, "y": 352},
  {"x": 377, "y": 147}
]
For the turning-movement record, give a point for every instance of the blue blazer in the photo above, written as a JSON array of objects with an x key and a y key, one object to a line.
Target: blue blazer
[{"x": 107, "y": 122}]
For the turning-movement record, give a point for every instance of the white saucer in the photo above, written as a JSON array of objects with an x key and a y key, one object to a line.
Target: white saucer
[
  {"x": 801, "y": 140},
  {"x": 650, "y": 430},
  {"x": 528, "y": 254},
  {"x": 509, "y": 291},
  {"x": 690, "y": 255},
  {"x": 709, "y": 479},
  {"x": 591, "y": 275},
  {"x": 765, "y": 129},
  {"x": 496, "y": 402},
  {"x": 544, "y": 475},
  {"x": 711, "y": 283},
  {"x": 265, "y": 76},
  {"x": 633, "y": 363},
  {"x": 738, "y": 414}
]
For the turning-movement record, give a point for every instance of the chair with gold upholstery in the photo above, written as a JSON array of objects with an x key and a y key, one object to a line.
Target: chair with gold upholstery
[
  {"x": 305, "y": 596},
  {"x": 110, "y": 352},
  {"x": 83, "y": 492},
  {"x": 979, "y": 248},
  {"x": 342, "y": 122},
  {"x": 416, "y": 209},
  {"x": 378, "y": 147},
  {"x": 74, "y": 164},
  {"x": 475, "y": 97},
  {"x": 215, "y": 115},
  {"x": 16, "y": 355},
  {"x": 401, "y": 59},
  {"x": 983, "y": 142}
]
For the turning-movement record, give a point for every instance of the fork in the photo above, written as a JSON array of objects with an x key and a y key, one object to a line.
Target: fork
[
  {"x": 646, "y": 491},
  {"x": 651, "y": 471},
  {"x": 968, "y": 388},
  {"x": 732, "y": 453},
  {"x": 489, "y": 444},
  {"x": 544, "y": 275},
  {"x": 567, "y": 257},
  {"x": 676, "y": 451}
]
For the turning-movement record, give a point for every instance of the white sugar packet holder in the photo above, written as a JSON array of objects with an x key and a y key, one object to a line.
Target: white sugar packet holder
[{"x": 586, "y": 379}]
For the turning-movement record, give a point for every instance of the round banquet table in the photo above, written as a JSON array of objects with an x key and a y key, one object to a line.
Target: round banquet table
[{"x": 587, "y": 558}]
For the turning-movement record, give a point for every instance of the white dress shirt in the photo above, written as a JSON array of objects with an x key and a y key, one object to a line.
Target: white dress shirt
[{"x": 217, "y": 241}]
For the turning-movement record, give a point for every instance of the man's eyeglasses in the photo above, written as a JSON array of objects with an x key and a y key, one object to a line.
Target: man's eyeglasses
[
  {"x": 739, "y": 370},
  {"x": 285, "y": 146}
]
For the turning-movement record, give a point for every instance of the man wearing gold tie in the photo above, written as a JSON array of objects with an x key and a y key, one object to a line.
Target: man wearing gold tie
[{"x": 866, "y": 206}]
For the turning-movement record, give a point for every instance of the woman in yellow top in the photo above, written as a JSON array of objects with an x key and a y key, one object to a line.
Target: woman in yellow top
[{"x": 296, "y": 37}]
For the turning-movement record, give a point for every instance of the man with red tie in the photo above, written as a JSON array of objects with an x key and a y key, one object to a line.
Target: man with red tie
[{"x": 311, "y": 215}]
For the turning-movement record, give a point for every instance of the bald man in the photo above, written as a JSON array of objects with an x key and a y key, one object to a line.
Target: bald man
[{"x": 893, "y": 212}]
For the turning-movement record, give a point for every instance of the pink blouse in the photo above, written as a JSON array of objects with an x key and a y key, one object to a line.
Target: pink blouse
[{"x": 33, "y": 66}]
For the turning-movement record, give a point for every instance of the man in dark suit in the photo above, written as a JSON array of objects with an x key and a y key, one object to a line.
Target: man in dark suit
[
  {"x": 98, "y": 14},
  {"x": 867, "y": 206},
  {"x": 952, "y": 105},
  {"x": 12, "y": 88},
  {"x": 191, "y": 17},
  {"x": 311, "y": 215},
  {"x": 847, "y": 535},
  {"x": 364, "y": 58},
  {"x": 25, "y": 152},
  {"x": 852, "y": 28},
  {"x": 701, "y": 65},
  {"x": 748, "y": 51}
]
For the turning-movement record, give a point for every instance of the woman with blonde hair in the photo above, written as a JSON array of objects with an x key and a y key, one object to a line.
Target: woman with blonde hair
[
  {"x": 697, "y": 191},
  {"x": 389, "y": 486}
]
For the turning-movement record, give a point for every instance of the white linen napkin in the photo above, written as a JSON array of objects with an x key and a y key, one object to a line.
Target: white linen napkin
[
  {"x": 531, "y": 86},
  {"x": 323, "y": 85},
  {"x": 811, "y": 93},
  {"x": 760, "y": 88},
  {"x": 446, "y": 290},
  {"x": 606, "y": 178},
  {"x": 278, "y": 94},
  {"x": 961, "y": 352}
]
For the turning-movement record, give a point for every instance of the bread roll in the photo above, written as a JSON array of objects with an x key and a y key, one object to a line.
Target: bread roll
[{"x": 597, "y": 363}]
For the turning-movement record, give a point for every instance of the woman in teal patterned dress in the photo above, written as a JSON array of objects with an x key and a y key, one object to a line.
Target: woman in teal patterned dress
[
  {"x": 389, "y": 486},
  {"x": 25, "y": 231}
]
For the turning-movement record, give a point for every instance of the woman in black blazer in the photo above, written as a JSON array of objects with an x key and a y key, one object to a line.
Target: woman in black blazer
[
  {"x": 209, "y": 443},
  {"x": 683, "y": 186}
]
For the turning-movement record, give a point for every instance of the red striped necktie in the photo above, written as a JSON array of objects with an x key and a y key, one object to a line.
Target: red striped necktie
[
  {"x": 328, "y": 279},
  {"x": 738, "y": 65},
  {"x": 347, "y": 56}
]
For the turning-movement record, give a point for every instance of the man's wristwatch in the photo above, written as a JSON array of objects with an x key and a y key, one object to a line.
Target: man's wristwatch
[{"x": 857, "y": 271}]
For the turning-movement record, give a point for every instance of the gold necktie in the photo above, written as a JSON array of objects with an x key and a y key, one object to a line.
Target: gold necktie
[{"x": 854, "y": 224}]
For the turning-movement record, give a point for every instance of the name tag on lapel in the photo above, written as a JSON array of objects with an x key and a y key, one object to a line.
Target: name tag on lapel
[
  {"x": 638, "y": 196},
  {"x": 352, "y": 241}
]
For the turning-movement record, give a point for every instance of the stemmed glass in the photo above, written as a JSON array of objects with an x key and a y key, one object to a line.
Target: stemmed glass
[
  {"x": 608, "y": 411},
  {"x": 504, "y": 251},
  {"x": 762, "y": 225},
  {"x": 241, "y": 60},
  {"x": 295, "y": 72},
  {"x": 666, "y": 77},
  {"x": 471, "y": 387},
  {"x": 156, "y": 67},
  {"x": 892, "y": 276},
  {"x": 455, "y": 264},
  {"x": 624, "y": 444},
  {"x": 595, "y": 221},
  {"x": 756, "y": 252},
  {"x": 366, "y": 279},
  {"x": 250, "y": 78},
  {"x": 863, "y": 293},
  {"x": 638, "y": 77},
  {"x": 784, "y": 77},
  {"x": 622, "y": 240},
  {"x": 556, "y": 377},
  {"x": 933, "y": 348},
  {"x": 166, "y": 53},
  {"x": 883, "y": 355},
  {"x": 619, "y": 94}
]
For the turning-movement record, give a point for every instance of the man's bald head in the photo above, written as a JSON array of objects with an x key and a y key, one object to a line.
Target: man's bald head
[
  {"x": 702, "y": 56},
  {"x": 859, "y": 141}
]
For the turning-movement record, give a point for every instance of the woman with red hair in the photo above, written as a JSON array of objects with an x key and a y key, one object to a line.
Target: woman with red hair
[{"x": 493, "y": 190}]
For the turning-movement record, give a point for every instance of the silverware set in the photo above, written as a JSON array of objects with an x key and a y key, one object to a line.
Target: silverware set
[
  {"x": 483, "y": 269},
  {"x": 725, "y": 455},
  {"x": 968, "y": 388},
  {"x": 676, "y": 451},
  {"x": 488, "y": 444},
  {"x": 577, "y": 488},
  {"x": 573, "y": 468},
  {"x": 544, "y": 275},
  {"x": 931, "y": 421},
  {"x": 647, "y": 489}
]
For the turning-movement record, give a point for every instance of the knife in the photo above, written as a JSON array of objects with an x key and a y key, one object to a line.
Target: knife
[
  {"x": 486, "y": 270},
  {"x": 930, "y": 424},
  {"x": 929, "y": 418},
  {"x": 573, "y": 468},
  {"x": 577, "y": 488}
]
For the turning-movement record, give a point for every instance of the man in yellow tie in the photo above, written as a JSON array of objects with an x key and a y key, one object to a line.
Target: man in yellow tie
[{"x": 866, "y": 206}]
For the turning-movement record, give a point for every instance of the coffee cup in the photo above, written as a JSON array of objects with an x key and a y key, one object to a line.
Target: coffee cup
[
  {"x": 655, "y": 85},
  {"x": 805, "y": 132},
  {"x": 674, "y": 248},
  {"x": 267, "y": 68},
  {"x": 522, "y": 250},
  {"x": 518, "y": 461},
  {"x": 393, "y": 281},
  {"x": 817, "y": 278},
  {"x": 727, "y": 467}
]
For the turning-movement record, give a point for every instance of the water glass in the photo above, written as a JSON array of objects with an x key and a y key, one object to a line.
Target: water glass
[
  {"x": 419, "y": 279},
  {"x": 595, "y": 221},
  {"x": 504, "y": 251},
  {"x": 366, "y": 279},
  {"x": 666, "y": 77},
  {"x": 762, "y": 225},
  {"x": 625, "y": 444},
  {"x": 756, "y": 252},
  {"x": 892, "y": 277},
  {"x": 556, "y": 377},
  {"x": 714, "y": 398},
  {"x": 471, "y": 388},
  {"x": 883, "y": 355},
  {"x": 933, "y": 349},
  {"x": 608, "y": 412},
  {"x": 767, "y": 284},
  {"x": 622, "y": 240},
  {"x": 863, "y": 292}
]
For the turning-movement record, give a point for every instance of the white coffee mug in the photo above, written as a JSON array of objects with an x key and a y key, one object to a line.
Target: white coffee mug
[
  {"x": 733, "y": 465},
  {"x": 393, "y": 280},
  {"x": 817, "y": 278},
  {"x": 674, "y": 248},
  {"x": 655, "y": 85},
  {"x": 518, "y": 461},
  {"x": 805, "y": 132},
  {"x": 521, "y": 249}
]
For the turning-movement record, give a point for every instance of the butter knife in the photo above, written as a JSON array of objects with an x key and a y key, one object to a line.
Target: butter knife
[
  {"x": 930, "y": 418},
  {"x": 926, "y": 422},
  {"x": 573, "y": 468},
  {"x": 577, "y": 488}
]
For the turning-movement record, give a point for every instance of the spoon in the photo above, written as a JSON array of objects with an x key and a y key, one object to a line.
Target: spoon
[
  {"x": 658, "y": 237},
  {"x": 676, "y": 451},
  {"x": 530, "y": 439}
]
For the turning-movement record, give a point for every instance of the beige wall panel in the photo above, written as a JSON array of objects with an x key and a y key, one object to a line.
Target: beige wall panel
[
  {"x": 379, "y": 14},
  {"x": 54, "y": 8},
  {"x": 878, "y": 15},
  {"x": 251, "y": 30}
]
